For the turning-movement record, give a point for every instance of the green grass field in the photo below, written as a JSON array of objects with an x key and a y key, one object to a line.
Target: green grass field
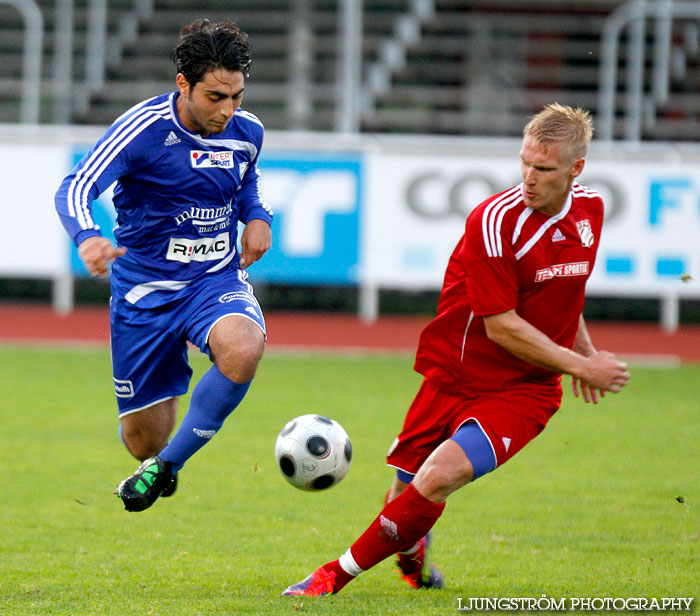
[{"x": 589, "y": 509}]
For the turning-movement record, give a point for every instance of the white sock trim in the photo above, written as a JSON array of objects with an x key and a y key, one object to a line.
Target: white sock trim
[
  {"x": 412, "y": 550},
  {"x": 348, "y": 564}
]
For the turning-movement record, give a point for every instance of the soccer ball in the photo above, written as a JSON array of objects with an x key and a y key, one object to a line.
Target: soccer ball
[{"x": 313, "y": 452}]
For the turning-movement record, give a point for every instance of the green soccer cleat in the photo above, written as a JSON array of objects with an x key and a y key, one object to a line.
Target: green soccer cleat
[{"x": 142, "y": 489}]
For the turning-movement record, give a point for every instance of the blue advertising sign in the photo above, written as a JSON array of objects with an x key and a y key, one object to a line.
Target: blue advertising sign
[{"x": 316, "y": 198}]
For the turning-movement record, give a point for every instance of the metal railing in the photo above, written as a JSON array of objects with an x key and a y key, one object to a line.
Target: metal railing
[
  {"x": 633, "y": 15},
  {"x": 31, "y": 58},
  {"x": 639, "y": 106},
  {"x": 69, "y": 96}
]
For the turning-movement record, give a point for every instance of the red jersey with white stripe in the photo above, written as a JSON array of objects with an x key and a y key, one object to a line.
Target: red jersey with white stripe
[{"x": 510, "y": 257}]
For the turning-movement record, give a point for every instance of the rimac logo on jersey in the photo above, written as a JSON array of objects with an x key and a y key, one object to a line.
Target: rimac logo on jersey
[
  {"x": 565, "y": 269},
  {"x": 201, "y": 159},
  {"x": 185, "y": 249}
]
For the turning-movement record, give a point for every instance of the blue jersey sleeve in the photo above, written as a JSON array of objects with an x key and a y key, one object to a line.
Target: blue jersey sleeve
[
  {"x": 251, "y": 204},
  {"x": 95, "y": 172},
  {"x": 113, "y": 156}
]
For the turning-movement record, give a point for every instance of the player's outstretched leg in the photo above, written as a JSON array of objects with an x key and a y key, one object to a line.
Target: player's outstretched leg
[
  {"x": 413, "y": 563},
  {"x": 415, "y": 568},
  {"x": 142, "y": 489},
  {"x": 401, "y": 523},
  {"x": 213, "y": 399}
]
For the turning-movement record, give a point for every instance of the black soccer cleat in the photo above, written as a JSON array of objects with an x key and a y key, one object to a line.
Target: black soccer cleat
[
  {"x": 170, "y": 488},
  {"x": 142, "y": 489}
]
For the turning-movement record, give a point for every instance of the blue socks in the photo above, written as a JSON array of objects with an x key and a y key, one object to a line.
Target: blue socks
[{"x": 214, "y": 398}]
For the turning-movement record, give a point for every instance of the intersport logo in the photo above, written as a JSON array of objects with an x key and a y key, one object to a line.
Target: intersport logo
[
  {"x": 564, "y": 269},
  {"x": 202, "y": 159},
  {"x": 184, "y": 249}
]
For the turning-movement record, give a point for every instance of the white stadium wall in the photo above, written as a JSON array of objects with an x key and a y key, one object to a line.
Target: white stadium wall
[{"x": 384, "y": 211}]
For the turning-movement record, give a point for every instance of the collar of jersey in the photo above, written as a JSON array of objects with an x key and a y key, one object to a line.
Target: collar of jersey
[{"x": 232, "y": 144}]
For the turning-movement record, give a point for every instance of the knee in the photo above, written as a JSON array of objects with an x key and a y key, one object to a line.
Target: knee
[
  {"x": 438, "y": 476},
  {"x": 436, "y": 480},
  {"x": 240, "y": 363}
]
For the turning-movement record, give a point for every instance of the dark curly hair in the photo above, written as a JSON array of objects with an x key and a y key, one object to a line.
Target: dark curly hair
[{"x": 205, "y": 45}]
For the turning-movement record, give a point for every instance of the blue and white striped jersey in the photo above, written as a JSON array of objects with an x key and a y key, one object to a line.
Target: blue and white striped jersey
[{"x": 178, "y": 197}]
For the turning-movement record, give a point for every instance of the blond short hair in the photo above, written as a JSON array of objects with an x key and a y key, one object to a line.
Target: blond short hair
[{"x": 558, "y": 122}]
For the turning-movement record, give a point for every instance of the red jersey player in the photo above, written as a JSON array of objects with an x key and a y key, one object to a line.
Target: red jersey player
[{"x": 508, "y": 325}]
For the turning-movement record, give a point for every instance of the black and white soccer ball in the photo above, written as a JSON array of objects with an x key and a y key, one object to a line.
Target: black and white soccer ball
[{"x": 313, "y": 452}]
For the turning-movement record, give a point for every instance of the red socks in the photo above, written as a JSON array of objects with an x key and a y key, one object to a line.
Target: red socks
[
  {"x": 398, "y": 527},
  {"x": 401, "y": 523}
]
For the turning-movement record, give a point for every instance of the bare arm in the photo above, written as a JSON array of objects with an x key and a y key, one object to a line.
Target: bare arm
[
  {"x": 583, "y": 343},
  {"x": 599, "y": 370},
  {"x": 584, "y": 346}
]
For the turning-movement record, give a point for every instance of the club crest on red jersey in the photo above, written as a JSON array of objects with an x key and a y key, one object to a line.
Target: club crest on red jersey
[{"x": 586, "y": 232}]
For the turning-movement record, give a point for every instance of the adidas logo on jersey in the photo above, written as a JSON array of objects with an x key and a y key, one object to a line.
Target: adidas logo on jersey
[
  {"x": 171, "y": 139},
  {"x": 558, "y": 236}
]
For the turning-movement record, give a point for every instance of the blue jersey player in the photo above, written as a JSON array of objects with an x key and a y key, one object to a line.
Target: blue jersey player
[{"x": 185, "y": 167}]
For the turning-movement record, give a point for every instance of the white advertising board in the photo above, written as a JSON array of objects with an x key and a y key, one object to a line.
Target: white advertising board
[
  {"x": 651, "y": 238},
  {"x": 409, "y": 202},
  {"x": 31, "y": 236},
  {"x": 417, "y": 204}
]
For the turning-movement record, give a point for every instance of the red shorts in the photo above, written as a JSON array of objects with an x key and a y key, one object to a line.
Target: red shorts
[{"x": 510, "y": 419}]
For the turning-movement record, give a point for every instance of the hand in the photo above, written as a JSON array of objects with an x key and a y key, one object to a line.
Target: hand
[
  {"x": 97, "y": 253},
  {"x": 256, "y": 239},
  {"x": 602, "y": 373},
  {"x": 590, "y": 394}
]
